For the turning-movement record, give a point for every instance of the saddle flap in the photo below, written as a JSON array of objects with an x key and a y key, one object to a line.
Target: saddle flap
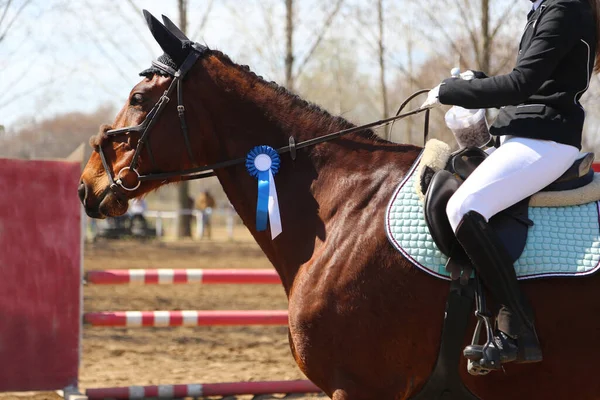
[
  {"x": 442, "y": 187},
  {"x": 512, "y": 225}
]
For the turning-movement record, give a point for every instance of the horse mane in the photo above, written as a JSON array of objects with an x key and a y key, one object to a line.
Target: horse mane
[
  {"x": 285, "y": 96},
  {"x": 310, "y": 108}
]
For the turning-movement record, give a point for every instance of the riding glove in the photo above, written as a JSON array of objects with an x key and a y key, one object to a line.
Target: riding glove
[{"x": 433, "y": 99}]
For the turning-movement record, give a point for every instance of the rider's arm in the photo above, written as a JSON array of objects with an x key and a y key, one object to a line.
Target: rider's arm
[{"x": 557, "y": 33}]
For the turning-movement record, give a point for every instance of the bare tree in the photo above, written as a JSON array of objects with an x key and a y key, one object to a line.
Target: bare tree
[
  {"x": 486, "y": 52},
  {"x": 289, "y": 44},
  {"x": 292, "y": 73},
  {"x": 6, "y": 24},
  {"x": 203, "y": 21},
  {"x": 373, "y": 33},
  {"x": 284, "y": 60},
  {"x": 184, "y": 222},
  {"x": 183, "y": 21},
  {"x": 336, "y": 81},
  {"x": 53, "y": 137},
  {"x": 474, "y": 38},
  {"x": 470, "y": 34},
  {"x": 381, "y": 51},
  {"x": 319, "y": 35}
]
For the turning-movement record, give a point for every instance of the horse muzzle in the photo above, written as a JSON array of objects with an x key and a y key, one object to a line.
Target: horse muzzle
[{"x": 107, "y": 204}]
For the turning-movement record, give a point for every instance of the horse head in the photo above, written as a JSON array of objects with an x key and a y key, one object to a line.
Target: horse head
[{"x": 143, "y": 138}]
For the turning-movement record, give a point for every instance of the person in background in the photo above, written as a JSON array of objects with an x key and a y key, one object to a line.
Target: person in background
[
  {"x": 137, "y": 208},
  {"x": 205, "y": 202}
]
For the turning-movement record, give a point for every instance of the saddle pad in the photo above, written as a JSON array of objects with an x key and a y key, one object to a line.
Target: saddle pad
[{"x": 564, "y": 241}]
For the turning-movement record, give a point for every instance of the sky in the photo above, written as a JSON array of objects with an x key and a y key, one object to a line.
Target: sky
[{"x": 76, "y": 55}]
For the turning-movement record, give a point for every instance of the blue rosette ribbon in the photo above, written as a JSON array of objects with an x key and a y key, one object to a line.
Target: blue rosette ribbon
[{"x": 262, "y": 162}]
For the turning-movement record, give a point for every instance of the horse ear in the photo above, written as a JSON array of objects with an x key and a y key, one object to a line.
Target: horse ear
[
  {"x": 174, "y": 29},
  {"x": 169, "y": 42}
]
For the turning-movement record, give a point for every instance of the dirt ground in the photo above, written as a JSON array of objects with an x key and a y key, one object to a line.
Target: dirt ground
[{"x": 152, "y": 356}]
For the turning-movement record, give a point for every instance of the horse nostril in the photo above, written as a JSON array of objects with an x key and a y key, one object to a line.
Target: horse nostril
[{"x": 82, "y": 191}]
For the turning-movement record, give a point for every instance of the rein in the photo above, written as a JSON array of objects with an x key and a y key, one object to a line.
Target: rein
[{"x": 116, "y": 183}]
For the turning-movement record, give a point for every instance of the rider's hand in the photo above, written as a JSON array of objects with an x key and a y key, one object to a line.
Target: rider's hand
[
  {"x": 433, "y": 99},
  {"x": 467, "y": 75},
  {"x": 472, "y": 74}
]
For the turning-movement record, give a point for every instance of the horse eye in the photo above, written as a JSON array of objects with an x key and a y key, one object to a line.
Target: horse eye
[{"x": 137, "y": 99}]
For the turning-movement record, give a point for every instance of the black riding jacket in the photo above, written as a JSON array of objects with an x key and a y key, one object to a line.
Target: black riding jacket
[{"x": 540, "y": 97}]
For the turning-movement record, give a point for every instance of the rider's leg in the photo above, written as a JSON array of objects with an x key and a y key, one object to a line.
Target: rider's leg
[
  {"x": 514, "y": 171},
  {"x": 519, "y": 168},
  {"x": 495, "y": 268}
]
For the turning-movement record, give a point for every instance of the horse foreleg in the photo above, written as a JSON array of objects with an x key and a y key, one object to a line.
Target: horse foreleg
[{"x": 343, "y": 394}]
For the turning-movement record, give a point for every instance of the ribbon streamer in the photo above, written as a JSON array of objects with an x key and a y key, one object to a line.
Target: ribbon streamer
[{"x": 262, "y": 162}]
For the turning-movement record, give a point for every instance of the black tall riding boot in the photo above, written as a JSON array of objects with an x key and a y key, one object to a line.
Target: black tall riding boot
[{"x": 516, "y": 338}]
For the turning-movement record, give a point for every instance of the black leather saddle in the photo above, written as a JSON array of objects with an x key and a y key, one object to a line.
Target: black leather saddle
[{"x": 511, "y": 224}]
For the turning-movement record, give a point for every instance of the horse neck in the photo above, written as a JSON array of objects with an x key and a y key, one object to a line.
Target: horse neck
[{"x": 244, "y": 111}]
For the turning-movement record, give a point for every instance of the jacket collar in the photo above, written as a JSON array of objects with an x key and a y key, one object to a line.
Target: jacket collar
[{"x": 536, "y": 6}]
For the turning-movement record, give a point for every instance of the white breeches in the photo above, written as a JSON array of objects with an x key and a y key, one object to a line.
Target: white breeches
[{"x": 519, "y": 168}]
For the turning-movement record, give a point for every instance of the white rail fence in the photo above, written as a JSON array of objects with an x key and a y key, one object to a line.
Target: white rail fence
[{"x": 159, "y": 216}]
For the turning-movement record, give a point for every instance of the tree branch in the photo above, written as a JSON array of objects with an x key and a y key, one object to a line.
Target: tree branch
[
  {"x": 363, "y": 27},
  {"x": 5, "y": 11},
  {"x": 133, "y": 7},
  {"x": 264, "y": 49},
  {"x": 12, "y": 21},
  {"x": 471, "y": 30},
  {"x": 317, "y": 42},
  {"x": 204, "y": 20},
  {"x": 407, "y": 73},
  {"x": 503, "y": 64},
  {"x": 502, "y": 20},
  {"x": 109, "y": 38},
  {"x": 448, "y": 36},
  {"x": 131, "y": 24},
  {"x": 37, "y": 87}
]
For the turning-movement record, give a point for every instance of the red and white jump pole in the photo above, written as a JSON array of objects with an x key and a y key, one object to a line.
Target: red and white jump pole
[
  {"x": 182, "y": 276},
  {"x": 202, "y": 390},
  {"x": 185, "y": 318}
]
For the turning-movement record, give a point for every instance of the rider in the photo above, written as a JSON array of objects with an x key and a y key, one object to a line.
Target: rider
[{"x": 540, "y": 124}]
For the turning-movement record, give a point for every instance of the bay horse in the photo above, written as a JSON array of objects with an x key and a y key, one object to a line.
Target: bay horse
[{"x": 363, "y": 322}]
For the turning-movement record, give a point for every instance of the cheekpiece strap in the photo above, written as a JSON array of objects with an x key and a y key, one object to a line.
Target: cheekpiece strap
[{"x": 187, "y": 64}]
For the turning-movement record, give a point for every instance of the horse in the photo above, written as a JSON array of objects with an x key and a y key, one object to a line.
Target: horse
[{"x": 364, "y": 323}]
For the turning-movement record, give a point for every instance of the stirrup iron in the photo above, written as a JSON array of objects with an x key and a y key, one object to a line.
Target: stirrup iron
[{"x": 489, "y": 360}]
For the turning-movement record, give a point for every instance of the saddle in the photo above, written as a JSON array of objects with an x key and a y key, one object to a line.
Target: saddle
[{"x": 512, "y": 223}]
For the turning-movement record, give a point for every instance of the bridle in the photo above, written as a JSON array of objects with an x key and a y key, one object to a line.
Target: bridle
[
  {"x": 118, "y": 187},
  {"x": 116, "y": 183}
]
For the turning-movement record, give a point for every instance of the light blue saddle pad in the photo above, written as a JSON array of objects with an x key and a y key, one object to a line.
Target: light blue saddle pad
[{"x": 564, "y": 241}]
